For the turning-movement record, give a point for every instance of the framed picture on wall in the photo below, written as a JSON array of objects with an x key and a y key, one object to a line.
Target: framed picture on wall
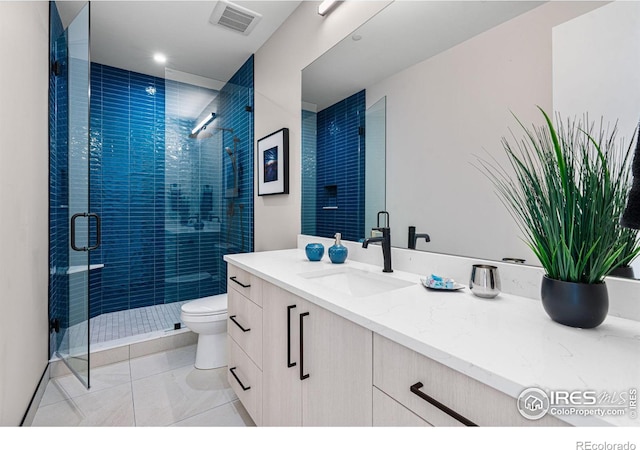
[{"x": 273, "y": 163}]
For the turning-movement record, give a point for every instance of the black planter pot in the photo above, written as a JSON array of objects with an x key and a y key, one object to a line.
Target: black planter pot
[
  {"x": 623, "y": 272},
  {"x": 577, "y": 305}
]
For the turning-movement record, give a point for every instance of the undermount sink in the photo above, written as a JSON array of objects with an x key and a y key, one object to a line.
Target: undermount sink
[{"x": 355, "y": 282}]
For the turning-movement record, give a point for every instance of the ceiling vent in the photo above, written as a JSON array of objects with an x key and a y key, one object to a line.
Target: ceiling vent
[{"x": 234, "y": 17}]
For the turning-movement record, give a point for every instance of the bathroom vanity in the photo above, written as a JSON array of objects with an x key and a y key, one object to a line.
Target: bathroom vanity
[{"x": 321, "y": 344}]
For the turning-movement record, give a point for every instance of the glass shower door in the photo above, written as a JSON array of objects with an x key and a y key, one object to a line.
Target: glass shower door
[
  {"x": 72, "y": 338},
  {"x": 375, "y": 172}
]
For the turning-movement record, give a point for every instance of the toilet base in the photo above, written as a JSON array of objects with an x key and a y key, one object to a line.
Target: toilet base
[{"x": 211, "y": 351}]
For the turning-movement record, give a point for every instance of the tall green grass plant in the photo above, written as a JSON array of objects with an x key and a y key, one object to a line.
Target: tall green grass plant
[{"x": 566, "y": 187}]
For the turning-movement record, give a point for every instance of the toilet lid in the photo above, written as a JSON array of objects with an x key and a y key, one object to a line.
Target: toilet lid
[{"x": 216, "y": 304}]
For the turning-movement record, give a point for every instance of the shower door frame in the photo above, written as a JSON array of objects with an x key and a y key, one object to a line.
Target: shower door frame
[{"x": 72, "y": 339}]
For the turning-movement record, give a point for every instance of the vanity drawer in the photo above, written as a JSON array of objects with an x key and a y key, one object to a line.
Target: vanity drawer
[
  {"x": 243, "y": 282},
  {"x": 396, "y": 369},
  {"x": 389, "y": 413},
  {"x": 244, "y": 325},
  {"x": 245, "y": 379}
]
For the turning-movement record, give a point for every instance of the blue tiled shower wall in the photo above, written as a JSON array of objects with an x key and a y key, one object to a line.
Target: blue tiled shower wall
[
  {"x": 127, "y": 124},
  {"x": 140, "y": 157},
  {"x": 339, "y": 169}
]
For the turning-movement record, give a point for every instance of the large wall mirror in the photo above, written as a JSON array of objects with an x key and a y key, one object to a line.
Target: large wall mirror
[{"x": 452, "y": 76}]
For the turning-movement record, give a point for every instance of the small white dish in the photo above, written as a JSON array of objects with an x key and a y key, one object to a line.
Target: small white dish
[{"x": 456, "y": 286}]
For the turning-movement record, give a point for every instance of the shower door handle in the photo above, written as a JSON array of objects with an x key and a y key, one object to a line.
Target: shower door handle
[
  {"x": 73, "y": 232},
  {"x": 98, "y": 231}
]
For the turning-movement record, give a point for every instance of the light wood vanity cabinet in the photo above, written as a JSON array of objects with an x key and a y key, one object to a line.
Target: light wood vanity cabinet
[
  {"x": 244, "y": 325},
  {"x": 417, "y": 382},
  {"x": 293, "y": 363},
  {"x": 387, "y": 412},
  {"x": 244, "y": 343},
  {"x": 245, "y": 283},
  {"x": 317, "y": 365},
  {"x": 282, "y": 404}
]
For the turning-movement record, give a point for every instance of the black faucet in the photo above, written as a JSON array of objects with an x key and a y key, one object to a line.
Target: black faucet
[
  {"x": 385, "y": 239},
  {"x": 413, "y": 237}
]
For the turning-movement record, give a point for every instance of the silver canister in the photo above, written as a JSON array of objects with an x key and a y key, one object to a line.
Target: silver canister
[{"x": 485, "y": 281}]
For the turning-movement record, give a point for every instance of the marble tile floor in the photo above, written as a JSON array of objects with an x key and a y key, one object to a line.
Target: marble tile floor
[{"x": 159, "y": 390}]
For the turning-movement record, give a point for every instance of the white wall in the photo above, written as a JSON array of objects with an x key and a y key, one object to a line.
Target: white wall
[
  {"x": 303, "y": 37},
  {"x": 596, "y": 69},
  {"x": 24, "y": 168},
  {"x": 445, "y": 111}
]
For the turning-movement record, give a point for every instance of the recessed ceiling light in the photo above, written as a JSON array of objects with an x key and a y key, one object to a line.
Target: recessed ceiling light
[{"x": 159, "y": 58}]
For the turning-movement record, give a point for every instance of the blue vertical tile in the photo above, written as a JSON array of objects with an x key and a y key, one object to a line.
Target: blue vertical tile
[
  {"x": 340, "y": 161},
  {"x": 134, "y": 149}
]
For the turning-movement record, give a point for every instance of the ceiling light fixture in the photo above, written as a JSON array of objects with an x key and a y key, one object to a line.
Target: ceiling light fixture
[
  {"x": 326, "y": 6},
  {"x": 159, "y": 58},
  {"x": 207, "y": 120}
]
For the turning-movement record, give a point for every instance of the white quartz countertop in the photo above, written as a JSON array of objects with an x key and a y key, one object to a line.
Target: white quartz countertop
[{"x": 507, "y": 342}]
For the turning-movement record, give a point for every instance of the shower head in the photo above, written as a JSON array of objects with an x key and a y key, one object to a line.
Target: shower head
[{"x": 229, "y": 151}]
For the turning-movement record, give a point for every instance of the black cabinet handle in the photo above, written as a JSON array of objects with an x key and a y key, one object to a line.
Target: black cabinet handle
[
  {"x": 416, "y": 390},
  {"x": 241, "y": 284},
  {"x": 303, "y": 376},
  {"x": 289, "y": 363},
  {"x": 232, "y": 370},
  {"x": 233, "y": 319}
]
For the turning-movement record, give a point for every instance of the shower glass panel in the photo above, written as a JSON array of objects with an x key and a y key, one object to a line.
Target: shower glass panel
[
  {"x": 193, "y": 185},
  {"x": 70, "y": 242},
  {"x": 375, "y": 162},
  {"x": 208, "y": 183},
  {"x": 173, "y": 202}
]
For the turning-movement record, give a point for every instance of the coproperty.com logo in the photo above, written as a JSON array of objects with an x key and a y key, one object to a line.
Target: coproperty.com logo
[{"x": 534, "y": 403}]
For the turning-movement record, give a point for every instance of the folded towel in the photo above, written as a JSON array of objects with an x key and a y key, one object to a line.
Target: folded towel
[{"x": 631, "y": 215}]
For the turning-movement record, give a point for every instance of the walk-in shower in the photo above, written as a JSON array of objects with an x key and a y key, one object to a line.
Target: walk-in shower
[{"x": 171, "y": 204}]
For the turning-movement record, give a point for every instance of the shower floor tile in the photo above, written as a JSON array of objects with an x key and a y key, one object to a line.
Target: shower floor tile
[{"x": 123, "y": 324}]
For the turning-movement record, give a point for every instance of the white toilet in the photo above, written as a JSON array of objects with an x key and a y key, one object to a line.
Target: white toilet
[{"x": 208, "y": 318}]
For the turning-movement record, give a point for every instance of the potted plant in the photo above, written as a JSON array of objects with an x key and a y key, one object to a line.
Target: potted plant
[
  {"x": 629, "y": 239},
  {"x": 566, "y": 189}
]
